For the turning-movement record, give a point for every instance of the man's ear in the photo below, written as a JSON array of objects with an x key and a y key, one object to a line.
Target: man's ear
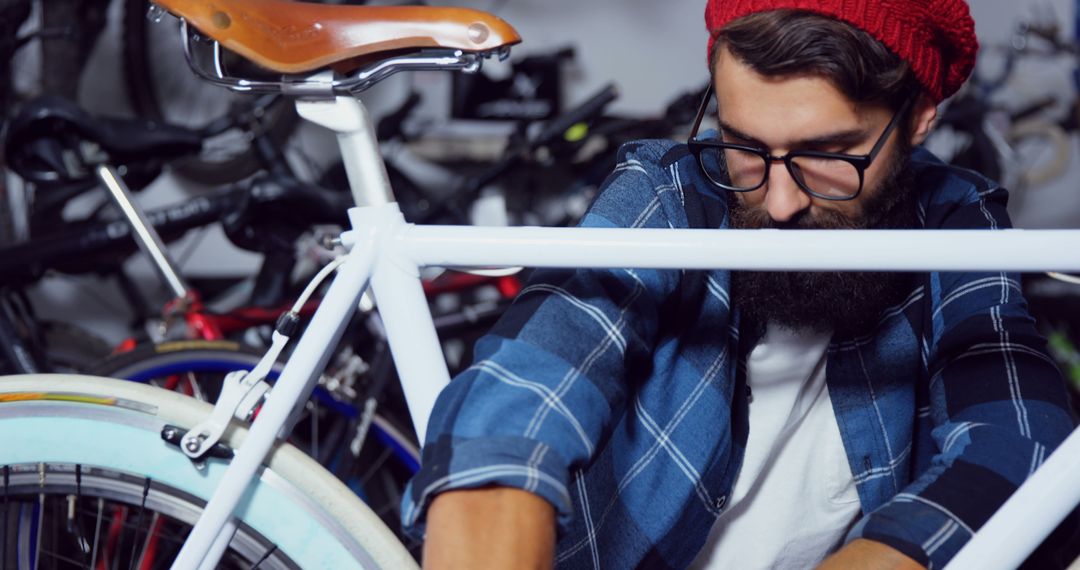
[{"x": 922, "y": 119}]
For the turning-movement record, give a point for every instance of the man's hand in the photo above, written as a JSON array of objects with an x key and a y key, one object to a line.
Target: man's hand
[
  {"x": 862, "y": 554},
  {"x": 495, "y": 527}
]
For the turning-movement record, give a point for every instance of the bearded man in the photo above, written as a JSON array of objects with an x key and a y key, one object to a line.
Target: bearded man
[{"x": 633, "y": 418}]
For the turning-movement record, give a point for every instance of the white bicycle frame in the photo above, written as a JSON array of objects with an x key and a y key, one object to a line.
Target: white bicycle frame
[{"x": 387, "y": 253}]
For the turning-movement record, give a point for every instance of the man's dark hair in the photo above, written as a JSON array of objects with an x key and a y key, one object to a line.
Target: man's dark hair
[{"x": 788, "y": 42}]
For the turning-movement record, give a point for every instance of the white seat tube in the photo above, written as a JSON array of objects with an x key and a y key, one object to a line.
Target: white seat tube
[
  {"x": 349, "y": 119},
  {"x": 396, "y": 283},
  {"x": 415, "y": 346}
]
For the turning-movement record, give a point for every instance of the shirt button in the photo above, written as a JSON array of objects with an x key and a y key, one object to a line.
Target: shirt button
[{"x": 720, "y": 502}]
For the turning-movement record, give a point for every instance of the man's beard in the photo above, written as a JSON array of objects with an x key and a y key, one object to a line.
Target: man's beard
[{"x": 845, "y": 302}]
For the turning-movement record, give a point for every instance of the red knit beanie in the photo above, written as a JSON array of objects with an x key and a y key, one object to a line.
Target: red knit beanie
[{"x": 935, "y": 37}]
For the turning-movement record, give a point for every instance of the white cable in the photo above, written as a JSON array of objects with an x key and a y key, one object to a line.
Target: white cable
[
  {"x": 316, "y": 281},
  {"x": 1064, "y": 277},
  {"x": 499, "y": 272}
]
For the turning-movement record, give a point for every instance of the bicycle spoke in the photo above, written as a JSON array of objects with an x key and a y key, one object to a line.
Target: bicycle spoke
[
  {"x": 61, "y": 521},
  {"x": 313, "y": 413},
  {"x": 97, "y": 531},
  {"x": 52, "y": 528},
  {"x": 54, "y": 532},
  {"x": 7, "y": 482},
  {"x": 383, "y": 457},
  {"x": 150, "y": 545},
  {"x": 264, "y": 558},
  {"x": 138, "y": 524},
  {"x": 23, "y": 537},
  {"x": 80, "y": 533},
  {"x": 196, "y": 390},
  {"x": 112, "y": 539},
  {"x": 56, "y": 556},
  {"x": 40, "y": 516}
]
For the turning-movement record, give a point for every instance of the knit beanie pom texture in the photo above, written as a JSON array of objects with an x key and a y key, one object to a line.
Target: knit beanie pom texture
[{"x": 936, "y": 37}]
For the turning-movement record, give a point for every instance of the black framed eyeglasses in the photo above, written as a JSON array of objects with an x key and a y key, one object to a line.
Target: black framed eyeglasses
[{"x": 825, "y": 175}]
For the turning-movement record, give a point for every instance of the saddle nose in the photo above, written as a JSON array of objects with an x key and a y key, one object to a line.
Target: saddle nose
[{"x": 46, "y": 128}]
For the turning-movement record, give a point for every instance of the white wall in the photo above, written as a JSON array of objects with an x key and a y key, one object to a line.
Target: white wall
[
  {"x": 652, "y": 49},
  {"x": 655, "y": 49}
]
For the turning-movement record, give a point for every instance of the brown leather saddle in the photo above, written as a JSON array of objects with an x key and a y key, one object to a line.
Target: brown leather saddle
[{"x": 299, "y": 37}]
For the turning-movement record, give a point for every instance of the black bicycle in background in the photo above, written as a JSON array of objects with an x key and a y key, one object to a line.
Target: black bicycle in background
[{"x": 60, "y": 151}]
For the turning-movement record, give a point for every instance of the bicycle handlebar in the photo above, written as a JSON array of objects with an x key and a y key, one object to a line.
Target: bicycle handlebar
[{"x": 555, "y": 129}]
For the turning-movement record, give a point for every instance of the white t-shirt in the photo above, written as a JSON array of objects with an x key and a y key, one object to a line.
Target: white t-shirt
[{"x": 794, "y": 498}]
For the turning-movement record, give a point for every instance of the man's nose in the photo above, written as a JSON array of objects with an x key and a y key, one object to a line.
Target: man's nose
[{"x": 784, "y": 199}]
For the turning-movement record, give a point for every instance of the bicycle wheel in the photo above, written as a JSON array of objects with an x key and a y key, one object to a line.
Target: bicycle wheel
[
  {"x": 376, "y": 468},
  {"x": 157, "y": 90},
  {"x": 81, "y": 451}
]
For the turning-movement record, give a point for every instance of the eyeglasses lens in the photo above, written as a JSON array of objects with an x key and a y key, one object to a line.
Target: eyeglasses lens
[
  {"x": 733, "y": 169},
  {"x": 827, "y": 176},
  {"x": 741, "y": 171}
]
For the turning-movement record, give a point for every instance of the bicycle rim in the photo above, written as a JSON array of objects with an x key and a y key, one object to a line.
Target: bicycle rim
[
  {"x": 111, "y": 429},
  {"x": 55, "y": 515}
]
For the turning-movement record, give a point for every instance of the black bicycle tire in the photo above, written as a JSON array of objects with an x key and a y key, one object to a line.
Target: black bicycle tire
[
  {"x": 136, "y": 61},
  {"x": 71, "y": 348},
  {"x": 119, "y": 362},
  {"x": 8, "y": 232},
  {"x": 139, "y": 81}
]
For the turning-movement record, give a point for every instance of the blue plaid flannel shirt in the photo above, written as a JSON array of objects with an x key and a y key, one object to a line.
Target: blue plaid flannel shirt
[{"x": 598, "y": 394}]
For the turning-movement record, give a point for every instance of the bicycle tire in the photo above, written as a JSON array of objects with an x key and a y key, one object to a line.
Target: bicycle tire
[
  {"x": 113, "y": 428},
  {"x": 388, "y": 456},
  {"x": 8, "y": 234},
  {"x": 71, "y": 348},
  {"x": 225, "y": 159}
]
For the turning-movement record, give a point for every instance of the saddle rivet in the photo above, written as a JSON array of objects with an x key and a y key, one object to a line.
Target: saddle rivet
[
  {"x": 221, "y": 20},
  {"x": 478, "y": 33}
]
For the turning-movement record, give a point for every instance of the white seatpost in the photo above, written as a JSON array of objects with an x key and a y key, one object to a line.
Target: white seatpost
[
  {"x": 395, "y": 279},
  {"x": 351, "y": 121}
]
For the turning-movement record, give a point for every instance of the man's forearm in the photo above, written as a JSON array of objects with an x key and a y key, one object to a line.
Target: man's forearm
[
  {"x": 862, "y": 554},
  {"x": 496, "y": 527}
]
